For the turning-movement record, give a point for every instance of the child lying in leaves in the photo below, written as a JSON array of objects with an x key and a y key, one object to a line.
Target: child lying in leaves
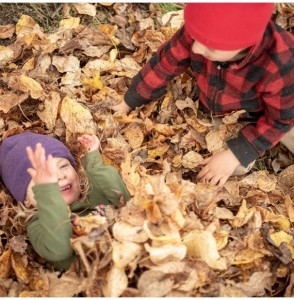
[{"x": 39, "y": 170}]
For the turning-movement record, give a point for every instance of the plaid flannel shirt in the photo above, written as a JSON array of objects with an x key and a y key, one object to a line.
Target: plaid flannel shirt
[{"x": 262, "y": 83}]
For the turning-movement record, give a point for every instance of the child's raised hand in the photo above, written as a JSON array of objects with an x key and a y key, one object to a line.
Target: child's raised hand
[
  {"x": 43, "y": 170},
  {"x": 89, "y": 141}
]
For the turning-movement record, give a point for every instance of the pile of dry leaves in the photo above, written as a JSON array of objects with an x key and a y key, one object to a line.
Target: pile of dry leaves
[{"x": 175, "y": 237}]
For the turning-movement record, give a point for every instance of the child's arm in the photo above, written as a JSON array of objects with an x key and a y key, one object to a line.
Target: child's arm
[
  {"x": 106, "y": 183},
  {"x": 50, "y": 229},
  {"x": 172, "y": 59}
]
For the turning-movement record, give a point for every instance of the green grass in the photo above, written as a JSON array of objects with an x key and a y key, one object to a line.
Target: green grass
[{"x": 167, "y": 7}]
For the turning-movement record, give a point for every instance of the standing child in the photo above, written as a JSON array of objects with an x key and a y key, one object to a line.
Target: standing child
[
  {"x": 39, "y": 170},
  {"x": 240, "y": 60}
]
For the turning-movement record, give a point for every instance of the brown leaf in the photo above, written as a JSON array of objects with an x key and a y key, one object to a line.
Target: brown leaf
[
  {"x": 260, "y": 179},
  {"x": 233, "y": 118},
  {"x": 124, "y": 253},
  {"x": 116, "y": 283},
  {"x": 154, "y": 284},
  {"x": 76, "y": 118},
  {"x": 5, "y": 264},
  {"x": 18, "y": 244},
  {"x": 202, "y": 244},
  {"x": 214, "y": 140},
  {"x": 49, "y": 114},
  {"x": 7, "y": 31},
  {"x": 125, "y": 232},
  {"x": 85, "y": 9},
  {"x": 10, "y": 100},
  {"x": 191, "y": 160}
]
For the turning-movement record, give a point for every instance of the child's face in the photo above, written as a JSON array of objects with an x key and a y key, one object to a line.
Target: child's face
[
  {"x": 217, "y": 55},
  {"x": 68, "y": 181}
]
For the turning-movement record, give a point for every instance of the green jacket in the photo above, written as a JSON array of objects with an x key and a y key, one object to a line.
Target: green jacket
[{"x": 50, "y": 229}]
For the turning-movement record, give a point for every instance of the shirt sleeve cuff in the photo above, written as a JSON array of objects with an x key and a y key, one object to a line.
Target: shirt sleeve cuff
[{"x": 243, "y": 150}]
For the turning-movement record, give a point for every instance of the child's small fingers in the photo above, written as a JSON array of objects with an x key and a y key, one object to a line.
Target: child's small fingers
[
  {"x": 32, "y": 172},
  {"x": 31, "y": 156}
]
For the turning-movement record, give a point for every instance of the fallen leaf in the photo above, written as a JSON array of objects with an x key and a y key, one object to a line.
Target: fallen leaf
[
  {"x": 154, "y": 284},
  {"x": 125, "y": 232},
  {"x": 85, "y": 9},
  {"x": 69, "y": 23},
  {"x": 166, "y": 252},
  {"x": 116, "y": 283},
  {"x": 214, "y": 140},
  {"x": 191, "y": 160},
  {"x": 202, "y": 244},
  {"x": 77, "y": 118},
  {"x": 5, "y": 264},
  {"x": 124, "y": 252},
  {"x": 50, "y": 112},
  {"x": 10, "y": 100},
  {"x": 135, "y": 137},
  {"x": 7, "y": 31},
  {"x": 233, "y": 118}
]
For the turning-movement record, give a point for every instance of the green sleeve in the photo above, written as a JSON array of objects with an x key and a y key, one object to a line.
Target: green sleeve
[
  {"x": 104, "y": 180},
  {"x": 50, "y": 229}
]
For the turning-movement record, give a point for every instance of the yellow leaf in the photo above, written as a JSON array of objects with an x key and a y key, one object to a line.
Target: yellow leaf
[
  {"x": 247, "y": 256},
  {"x": 24, "y": 21},
  {"x": 69, "y": 23},
  {"x": 289, "y": 207},
  {"x": 158, "y": 152},
  {"x": 76, "y": 118},
  {"x": 243, "y": 216},
  {"x": 279, "y": 220},
  {"x": 282, "y": 237},
  {"x": 135, "y": 137},
  {"x": 202, "y": 244},
  {"x": 19, "y": 268},
  {"x": 164, "y": 129},
  {"x": 28, "y": 84},
  {"x": 113, "y": 55},
  {"x": 29, "y": 64},
  {"x": 95, "y": 82},
  {"x": 5, "y": 264}
]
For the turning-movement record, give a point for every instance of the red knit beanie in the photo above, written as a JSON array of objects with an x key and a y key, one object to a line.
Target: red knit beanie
[{"x": 227, "y": 26}]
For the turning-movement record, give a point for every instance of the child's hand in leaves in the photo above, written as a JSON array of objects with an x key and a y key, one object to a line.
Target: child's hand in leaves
[
  {"x": 43, "y": 170},
  {"x": 218, "y": 168},
  {"x": 89, "y": 142}
]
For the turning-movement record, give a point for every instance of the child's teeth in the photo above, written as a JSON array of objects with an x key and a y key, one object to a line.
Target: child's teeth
[{"x": 65, "y": 188}]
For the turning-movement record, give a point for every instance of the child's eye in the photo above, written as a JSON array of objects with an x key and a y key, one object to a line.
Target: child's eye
[{"x": 63, "y": 166}]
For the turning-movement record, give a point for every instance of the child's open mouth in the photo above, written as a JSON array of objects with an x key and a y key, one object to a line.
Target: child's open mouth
[{"x": 65, "y": 188}]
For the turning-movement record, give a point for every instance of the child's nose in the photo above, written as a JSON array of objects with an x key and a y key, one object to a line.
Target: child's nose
[{"x": 60, "y": 175}]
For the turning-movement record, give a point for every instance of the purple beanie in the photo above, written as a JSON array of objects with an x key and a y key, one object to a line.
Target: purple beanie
[{"x": 14, "y": 161}]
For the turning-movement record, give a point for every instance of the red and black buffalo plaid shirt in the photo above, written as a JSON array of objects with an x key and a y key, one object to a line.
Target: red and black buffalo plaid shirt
[{"x": 262, "y": 83}]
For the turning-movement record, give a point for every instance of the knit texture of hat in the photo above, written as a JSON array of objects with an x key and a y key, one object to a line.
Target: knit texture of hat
[
  {"x": 227, "y": 26},
  {"x": 14, "y": 161}
]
